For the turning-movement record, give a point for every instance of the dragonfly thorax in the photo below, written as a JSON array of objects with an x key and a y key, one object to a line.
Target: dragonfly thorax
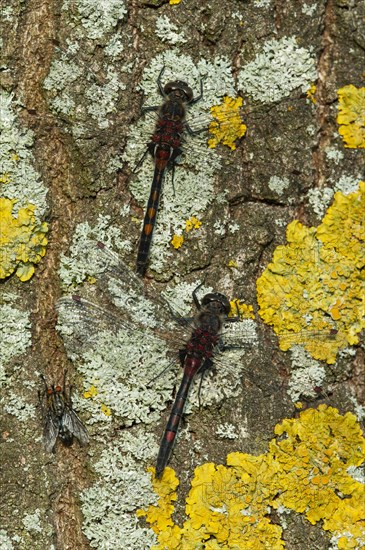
[{"x": 210, "y": 322}]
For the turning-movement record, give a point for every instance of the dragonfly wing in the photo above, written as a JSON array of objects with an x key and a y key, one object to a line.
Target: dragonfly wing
[
  {"x": 120, "y": 285},
  {"x": 80, "y": 321},
  {"x": 240, "y": 334},
  {"x": 127, "y": 291}
]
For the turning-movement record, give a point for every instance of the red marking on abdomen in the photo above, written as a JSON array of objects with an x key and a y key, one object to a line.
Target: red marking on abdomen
[
  {"x": 192, "y": 365},
  {"x": 170, "y": 436},
  {"x": 151, "y": 212},
  {"x": 147, "y": 229},
  {"x": 161, "y": 163}
]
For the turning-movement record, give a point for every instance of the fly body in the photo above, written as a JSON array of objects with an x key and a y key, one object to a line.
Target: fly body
[{"x": 59, "y": 418}]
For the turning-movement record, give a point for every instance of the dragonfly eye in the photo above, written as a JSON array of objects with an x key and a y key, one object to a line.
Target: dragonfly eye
[
  {"x": 49, "y": 391},
  {"x": 58, "y": 389},
  {"x": 219, "y": 300}
]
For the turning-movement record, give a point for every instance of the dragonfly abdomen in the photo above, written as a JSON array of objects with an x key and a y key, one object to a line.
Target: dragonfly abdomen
[
  {"x": 150, "y": 218},
  {"x": 173, "y": 424}
]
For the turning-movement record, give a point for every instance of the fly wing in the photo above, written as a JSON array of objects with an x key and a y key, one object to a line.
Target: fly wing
[
  {"x": 72, "y": 423},
  {"x": 50, "y": 431}
]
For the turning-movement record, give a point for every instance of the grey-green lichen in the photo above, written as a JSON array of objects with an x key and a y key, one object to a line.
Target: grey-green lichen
[
  {"x": 122, "y": 486},
  {"x": 99, "y": 98},
  {"x": 16, "y": 405},
  {"x": 98, "y": 18},
  {"x": 5, "y": 541},
  {"x": 15, "y": 334},
  {"x": 307, "y": 375},
  {"x": 278, "y": 185},
  {"x": 77, "y": 266},
  {"x": 18, "y": 179},
  {"x": 168, "y": 32},
  {"x": 32, "y": 522},
  {"x": 281, "y": 67}
]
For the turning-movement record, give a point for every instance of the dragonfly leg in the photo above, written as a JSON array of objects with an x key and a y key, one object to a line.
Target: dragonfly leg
[
  {"x": 182, "y": 355},
  {"x": 179, "y": 319},
  {"x": 195, "y": 297},
  {"x": 193, "y": 132},
  {"x": 141, "y": 160},
  {"x": 161, "y": 373},
  {"x": 200, "y": 96},
  {"x": 44, "y": 381},
  {"x": 41, "y": 401},
  {"x": 235, "y": 318},
  {"x": 208, "y": 364},
  {"x": 67, "y": 397},
  {"x": 149, "y": 109},
  {"x": 160, "y": 87}
]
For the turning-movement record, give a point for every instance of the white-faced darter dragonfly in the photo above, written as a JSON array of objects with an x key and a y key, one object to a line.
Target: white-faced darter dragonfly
[
  {"x": 166, "y": 146},
  {"x": 198, "y": 343}
]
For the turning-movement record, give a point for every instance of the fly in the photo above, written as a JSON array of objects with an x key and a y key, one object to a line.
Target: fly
[
  {"x": 165, "y": 147},
  {"x": 59, "y": 418}
]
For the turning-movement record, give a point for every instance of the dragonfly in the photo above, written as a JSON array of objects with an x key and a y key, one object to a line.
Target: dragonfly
[
  {"x": 165, "y": 147},
  {"x": 171, "y": 140},
  {"x": 195, "y": 358},
  {"x": 130, "y": 334},
  {"x": 195, "y": 343},
  {"x": 60, "y": 420}
]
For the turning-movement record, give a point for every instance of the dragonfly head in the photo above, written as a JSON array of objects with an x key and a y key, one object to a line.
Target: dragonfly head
[
  {"x": 217, "y": 302},
  {"x": 180, "y": 89}
]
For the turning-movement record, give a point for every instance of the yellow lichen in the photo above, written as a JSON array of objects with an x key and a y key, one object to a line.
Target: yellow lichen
[
  {"x": 232, "y": 263},
  {"x": 22, "y": 240},
  {"x": 241, "y": 309},
  {"x": 351, "y": 116},
  {"x": 91, "y": 392},
  {"x": 177, "y": 241},
  {"x": 227, "y": 126},
  {"x": 159, "y": 515},
  {"x": 4, "y": 178},
  {"x": 192, "y": 223},
  {"x": 105, "y": 410},
  {"x": 314, "y": 459},
  {"x": 311, "y": 93},
  {"x": 307, "y": 472},
  {"x": 311, "y": 292}
]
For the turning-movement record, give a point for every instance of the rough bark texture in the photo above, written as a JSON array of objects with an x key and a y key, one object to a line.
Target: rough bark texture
[{"x": 80, "y": 187}]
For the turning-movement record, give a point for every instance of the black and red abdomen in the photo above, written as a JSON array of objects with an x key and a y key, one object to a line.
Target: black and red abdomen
[{"x": 198, "y": 352}]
